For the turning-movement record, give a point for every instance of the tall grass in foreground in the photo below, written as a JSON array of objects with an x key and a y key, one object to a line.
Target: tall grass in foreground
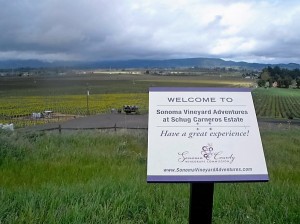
[{"x": 100, "y": 177}]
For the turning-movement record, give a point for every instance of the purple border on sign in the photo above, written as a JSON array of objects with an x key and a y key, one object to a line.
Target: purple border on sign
[
  {"x": 214, "y": 178},
  {"x": 208, "y": 178},
  {"x": 197, "y": 89}
]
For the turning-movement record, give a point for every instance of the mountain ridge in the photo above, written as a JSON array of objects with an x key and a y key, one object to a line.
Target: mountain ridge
[{"x": 144, "y": 63}]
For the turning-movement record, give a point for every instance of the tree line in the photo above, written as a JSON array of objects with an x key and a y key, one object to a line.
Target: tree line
[{"x": 279, "y": 77}]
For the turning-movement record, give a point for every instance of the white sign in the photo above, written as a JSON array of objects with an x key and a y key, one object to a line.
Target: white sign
[{"x": 203, "y": 135}]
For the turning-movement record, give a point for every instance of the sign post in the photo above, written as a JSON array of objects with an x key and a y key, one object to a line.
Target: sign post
[
  {"x": 203, "y": 136},
  {"x": 201, "y": 202}
]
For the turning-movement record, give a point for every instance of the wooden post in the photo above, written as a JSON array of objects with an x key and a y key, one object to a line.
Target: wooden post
[
  {"x": 87, "y": 102},
  {"x": 201, "y": 203}
]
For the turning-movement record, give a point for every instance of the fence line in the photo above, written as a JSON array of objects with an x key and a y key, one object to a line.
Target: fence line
[
  {"x": 24, "y": 120},
  {"x": 115, "y": 128}
]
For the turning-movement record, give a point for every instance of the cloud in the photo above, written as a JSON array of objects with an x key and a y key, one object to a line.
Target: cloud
[{"x": 106, "y": 30}]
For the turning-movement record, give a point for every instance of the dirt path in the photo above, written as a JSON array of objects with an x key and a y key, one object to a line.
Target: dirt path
[
  {"x": 99, "y": 121},
  {"x": 133, "y": 121}
]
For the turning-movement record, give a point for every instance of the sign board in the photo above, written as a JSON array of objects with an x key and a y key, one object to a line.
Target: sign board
[{"x": 203, "y": 135}]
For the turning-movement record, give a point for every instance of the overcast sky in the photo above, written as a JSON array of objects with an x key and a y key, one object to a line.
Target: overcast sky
[{"x": 240, "y": 30}]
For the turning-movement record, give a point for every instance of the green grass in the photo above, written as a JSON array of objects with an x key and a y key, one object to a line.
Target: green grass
[
  {"x": 273, "y": 202},
  {"x": 278, "y": 91},
  {"x": 100, "y": 177}
]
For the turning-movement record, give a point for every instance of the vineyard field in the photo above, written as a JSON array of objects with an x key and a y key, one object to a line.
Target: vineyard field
[
  {"x": 67, "y": 96},
  {"x": 20, "y": 97},
  {"x": 18, "y": 110},
  {"x": 277, "y": 103}
]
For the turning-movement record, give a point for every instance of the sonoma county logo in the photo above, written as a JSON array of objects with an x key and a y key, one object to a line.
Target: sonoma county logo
[
  {"x": 207, "y": 155},
  {"x": 207, "y": 151}
]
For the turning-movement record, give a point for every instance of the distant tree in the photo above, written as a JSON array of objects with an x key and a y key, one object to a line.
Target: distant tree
[
  {"x": 277, "y": 70},
  {"x": 284, "y": 77},
  {"x": 280, "y": 83},
  {"x": 287, "y": 81},
  {"x": 295, "y": 73},
  {"x": 261, "y": 83},
  {"x": 271, "y": 81},
  {"x": 298, "y": 83},
  {"x": 265, "y": 75}
]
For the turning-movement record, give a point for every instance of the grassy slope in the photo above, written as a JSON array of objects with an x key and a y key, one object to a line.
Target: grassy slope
[{"x": 97, "y": 177}]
